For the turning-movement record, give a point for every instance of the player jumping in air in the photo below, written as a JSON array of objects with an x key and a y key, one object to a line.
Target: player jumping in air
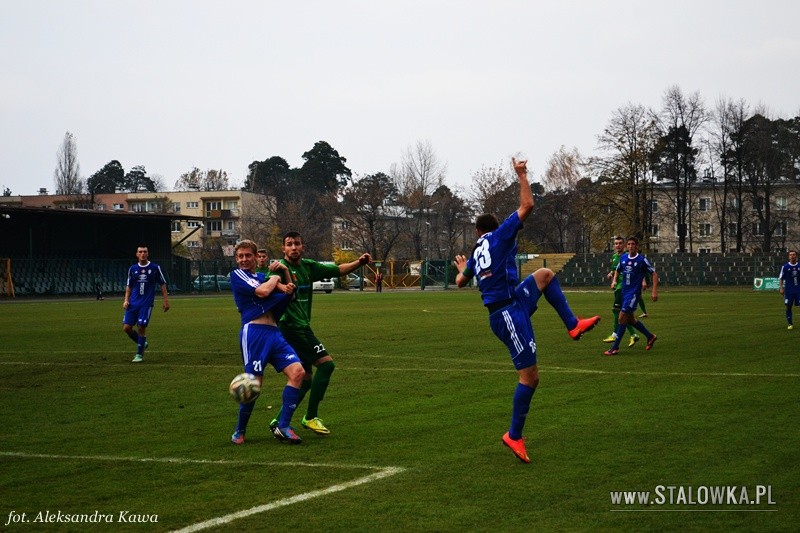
[{"x": 510, "y": 306}]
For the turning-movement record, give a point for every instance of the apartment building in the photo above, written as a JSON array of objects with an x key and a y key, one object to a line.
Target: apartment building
[{"x": 199, "y": 216}]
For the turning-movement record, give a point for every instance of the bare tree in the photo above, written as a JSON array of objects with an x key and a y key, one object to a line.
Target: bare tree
[
  {"x": 563, "y": 170},
  {"x": 724, "y": 152},
  {"x": 202, "y": 180},
  {"x": 67, "y": 174},
  {"x": 418, "y": 175},
  {"x": 561, "y": 209},
  {"x": 623, "y": 172},
  {"x": 494, "y": 191},
  {"x": 680, "y": 120}
]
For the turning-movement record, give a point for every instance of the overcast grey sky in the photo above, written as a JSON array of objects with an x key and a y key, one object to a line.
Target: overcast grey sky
[{"x": 172, "y": 84}]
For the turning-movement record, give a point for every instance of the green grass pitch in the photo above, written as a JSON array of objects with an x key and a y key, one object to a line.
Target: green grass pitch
[{"x": 419, "y": 400}]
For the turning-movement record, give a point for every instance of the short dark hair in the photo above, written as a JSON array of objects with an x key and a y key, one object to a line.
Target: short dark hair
[
  {"x": 291, "y": 235},
  {"x": 486, "y": 222},
  {"x": 634, "y": 239}
]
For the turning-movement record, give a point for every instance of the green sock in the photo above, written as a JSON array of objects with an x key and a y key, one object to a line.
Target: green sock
[
  {"x": 318, "y": 387},
  {"x": 641, "y": 304},
  {"x": 616, "y": 319}
]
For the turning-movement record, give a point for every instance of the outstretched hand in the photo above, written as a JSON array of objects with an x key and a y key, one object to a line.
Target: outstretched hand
[{"x": 520, "y": 166}]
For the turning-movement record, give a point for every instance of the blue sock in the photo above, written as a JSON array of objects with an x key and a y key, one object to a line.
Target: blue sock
[
  {"x": 620, "y": 332},
  {"x": 789, "y": 315},
  {"x": 291, "y": 397},
  {"x": 140, "y": 345},
  {"x": 245, "y": 410},
  {"x": 134, "y": 336},
  {"x": 643, "y": 329},
  {"x": 556, "y": 298},
  {"x": 522, "y": 404}
]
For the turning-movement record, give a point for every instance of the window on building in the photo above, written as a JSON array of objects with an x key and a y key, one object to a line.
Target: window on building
[
  {"x": 193, "y": 244},
  {"x": 705, "y": 204},
  {"x": 214, "y": 205},
  {"x": 191, "y": 224},
  {"x": 732, "y": 227},
  {"x": 214, "y": 225},
  {"x": 654, "y": 206},
  {"x": 176, "y": 207},
  {"x": 734, "y": 203},
  {"x": 231, "y": 204},
  {"x": 704, "y": 250},
  {"x": 176, "y": 226},
  {"x": 230, "y": 225},
  {"x": 653, "y": 230},
  {"x": 758, "y": 204},
  {"x": 119, "y": 207},
  {"x": 192, "y": 205},
  {"x": 781, "y": 230},
  {"x": 705, "y": 230},
  {"x": 758, "y": 228},
  {"x": 781, "y": 204}
]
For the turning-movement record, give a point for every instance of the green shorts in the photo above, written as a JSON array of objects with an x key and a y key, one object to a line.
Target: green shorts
[{"x": 308, "y": 347}]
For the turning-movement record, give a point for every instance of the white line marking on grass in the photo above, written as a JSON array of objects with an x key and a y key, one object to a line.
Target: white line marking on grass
[
  {"x": 545, "y": 368},
  {"x": 380, "y": 473},
  {"x": 184, "y": 460},
  {"x": 214, "y": 522}
]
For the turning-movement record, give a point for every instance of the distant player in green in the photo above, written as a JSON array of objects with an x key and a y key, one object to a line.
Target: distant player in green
[
  {"x": 619, "y": 248},
  {"x": 295, "y": 324},
  {"x": 262, "y": 262}
]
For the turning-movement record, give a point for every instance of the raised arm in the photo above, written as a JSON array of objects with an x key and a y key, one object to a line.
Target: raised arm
[
  {"x": 525, "y": 195},
  {"x": 346, "y": 268}
]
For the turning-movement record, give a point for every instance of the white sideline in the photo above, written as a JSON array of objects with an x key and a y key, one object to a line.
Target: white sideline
[
  {"x": 502, "y": 368},
  {"x": 386, "y": 472},
  {"x": 381, "y": 472}
]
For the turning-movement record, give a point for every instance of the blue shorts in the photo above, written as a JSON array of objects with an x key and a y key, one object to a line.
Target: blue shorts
[
  {"x": 630, "y": 301},
  {"x": 512, "y": 324},
  {"x": 791, "y": 298},
  {"x": 261, "y": 345},
  {"x": 137, "y": 315}
]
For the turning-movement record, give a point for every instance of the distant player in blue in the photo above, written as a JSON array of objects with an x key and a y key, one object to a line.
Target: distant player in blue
[
  {"x": 510, "y": 306},
  {"x": 140, "y": 293},
  {"x": 789, "y": 280},
  {"x": 633, "y": 267},
  {"x": 261, "y": 302}
]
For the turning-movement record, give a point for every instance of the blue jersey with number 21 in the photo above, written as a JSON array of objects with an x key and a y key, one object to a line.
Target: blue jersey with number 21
[{"x": 493, "y": 261}]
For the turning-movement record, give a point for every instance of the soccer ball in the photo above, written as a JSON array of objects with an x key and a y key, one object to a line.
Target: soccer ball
[{"x": 245, "y": 388}]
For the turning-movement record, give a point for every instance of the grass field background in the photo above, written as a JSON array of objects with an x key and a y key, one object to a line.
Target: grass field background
[{"x": 417, "y": 405}]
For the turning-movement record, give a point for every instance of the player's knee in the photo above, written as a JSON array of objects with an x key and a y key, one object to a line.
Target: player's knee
[{"x": 295, "y": 375}]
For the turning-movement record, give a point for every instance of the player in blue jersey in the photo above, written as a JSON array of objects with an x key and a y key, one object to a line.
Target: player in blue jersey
[
  {"x": 140, "y": 293},
  {"x": 632, "y": 269},
  {"x": 261, "y": 301},
  {"x": 511, "y": 305},
  {"x": 789, "y": 282}
]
